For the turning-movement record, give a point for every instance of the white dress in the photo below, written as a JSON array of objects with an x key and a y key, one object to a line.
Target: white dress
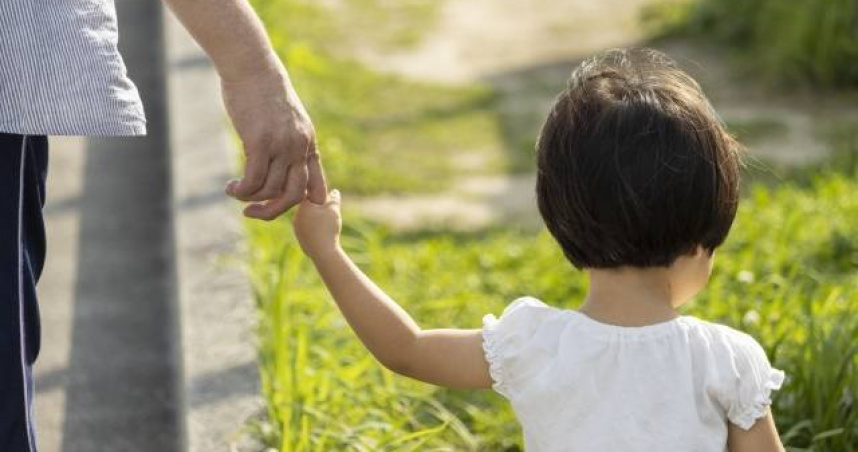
[{"x": 579, "y": 385}]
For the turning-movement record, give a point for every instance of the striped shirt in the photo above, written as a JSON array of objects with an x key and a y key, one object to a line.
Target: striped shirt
[{"x": 61, "y": 72}]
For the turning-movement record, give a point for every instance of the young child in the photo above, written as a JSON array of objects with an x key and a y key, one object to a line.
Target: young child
[{"x": 638, "y": 183}]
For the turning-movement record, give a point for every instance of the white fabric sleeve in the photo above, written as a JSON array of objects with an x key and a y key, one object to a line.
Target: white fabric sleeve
[
  {"x": 747, "y": 391},
  {"x": 506, "y": 342}
]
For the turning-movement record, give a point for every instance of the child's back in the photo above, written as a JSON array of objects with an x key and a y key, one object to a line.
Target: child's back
[{"x": 580, "y": 385}]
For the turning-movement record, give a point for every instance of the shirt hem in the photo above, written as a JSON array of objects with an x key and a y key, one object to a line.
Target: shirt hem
[{"x": 134, "y": 129}]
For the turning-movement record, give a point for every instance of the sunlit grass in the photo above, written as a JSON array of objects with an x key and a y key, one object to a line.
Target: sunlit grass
[{"x": 788, "y": 275}]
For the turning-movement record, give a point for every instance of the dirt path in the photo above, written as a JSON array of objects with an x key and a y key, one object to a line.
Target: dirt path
[
  {"x": 476, "y": 39},
  {"x": 525, "y": 50}
]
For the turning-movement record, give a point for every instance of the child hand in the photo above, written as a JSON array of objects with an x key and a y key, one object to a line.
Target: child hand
[{"x": 317, "y": 226}]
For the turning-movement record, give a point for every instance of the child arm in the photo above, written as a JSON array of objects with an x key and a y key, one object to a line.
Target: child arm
[
  {"x": 448, "y": 357},
  {"x": 761, "y": 437},
  {"x": 444, "y": 357}
]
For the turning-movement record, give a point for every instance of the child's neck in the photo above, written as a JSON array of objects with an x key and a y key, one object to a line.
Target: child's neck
[{"x": 630, "y": 297}]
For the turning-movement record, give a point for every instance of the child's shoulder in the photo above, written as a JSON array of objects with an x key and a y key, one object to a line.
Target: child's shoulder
[
  {"x": 523, "y": 317},
  {"x": 724, "y": 343},
  {"x": 718, "y": 332},
  {"x": 528, "y": 318},
  {"x": 741, "y": 374}
]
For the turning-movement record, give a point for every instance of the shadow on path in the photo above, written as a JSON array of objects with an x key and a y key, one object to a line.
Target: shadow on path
[{"x": 121, "y": 393}]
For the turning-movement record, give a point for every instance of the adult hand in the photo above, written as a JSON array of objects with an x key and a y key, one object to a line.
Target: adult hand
[{"x": 283, "y": 165}]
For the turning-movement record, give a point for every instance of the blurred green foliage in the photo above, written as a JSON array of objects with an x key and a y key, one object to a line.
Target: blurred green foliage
[
  {"x": 795, "y": 41},
  {"x": 378, "y": 132}
]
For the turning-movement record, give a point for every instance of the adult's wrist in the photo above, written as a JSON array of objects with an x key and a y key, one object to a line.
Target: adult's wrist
[{"x": 268, "y": 70}]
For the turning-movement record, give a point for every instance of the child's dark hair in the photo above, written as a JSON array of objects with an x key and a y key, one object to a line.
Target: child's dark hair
[{"x": 634, "y": 166}]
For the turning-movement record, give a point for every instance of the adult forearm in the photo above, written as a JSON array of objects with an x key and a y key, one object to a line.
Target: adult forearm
[
  {"x": 231, "y": 34},
  {"x": 381, "y": 324}
]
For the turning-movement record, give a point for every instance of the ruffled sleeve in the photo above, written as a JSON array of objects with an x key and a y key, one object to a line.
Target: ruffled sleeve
[
  {"x": 512, "y": 344},
  {"x": 747, "y": 391}
]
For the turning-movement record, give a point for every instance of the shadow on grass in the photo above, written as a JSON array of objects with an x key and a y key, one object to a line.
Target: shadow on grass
[
  {"x": 842, "y": 139},
  {"x": 431, "y": 113}
]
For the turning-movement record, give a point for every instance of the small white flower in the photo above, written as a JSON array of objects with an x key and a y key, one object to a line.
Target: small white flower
[
  {"x": 752, "y": 317},
  {"x": 745, "y": 276}
]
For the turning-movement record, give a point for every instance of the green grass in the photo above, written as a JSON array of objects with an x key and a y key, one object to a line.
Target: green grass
[
  {"x": 787, "y": 275},
  {"x": 795, "y": 41}
]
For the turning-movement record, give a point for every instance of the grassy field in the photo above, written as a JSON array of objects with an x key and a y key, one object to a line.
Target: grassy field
[
  {"x": 788, "y": 274},
  {"x": 793, "y": 42}
]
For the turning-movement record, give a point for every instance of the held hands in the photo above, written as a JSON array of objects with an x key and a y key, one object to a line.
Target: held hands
[
  {"x": 317, "y": 226},
  {"x": 280, "y": 144}
]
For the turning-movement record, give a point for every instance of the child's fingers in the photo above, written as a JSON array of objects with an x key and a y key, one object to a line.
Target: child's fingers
[
  {"x": 334, "y": 199},
  {"x": 308, "y": 200},
  {"x": 317, "y": 187}
]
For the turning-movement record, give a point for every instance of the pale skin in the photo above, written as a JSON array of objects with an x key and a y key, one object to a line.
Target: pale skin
[
  {"x": 279, "y": 141},
  {"x": 454, "y": 358}
]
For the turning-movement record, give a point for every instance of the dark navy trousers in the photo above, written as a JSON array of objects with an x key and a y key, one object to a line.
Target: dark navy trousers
[{"x": 23, "y": 169}]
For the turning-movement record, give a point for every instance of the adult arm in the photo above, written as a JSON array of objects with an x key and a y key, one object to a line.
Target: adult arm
[{"x": 275, "y": 130}]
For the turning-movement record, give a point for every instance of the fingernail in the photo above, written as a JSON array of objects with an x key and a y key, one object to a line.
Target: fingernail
[
  {"x": 230, "y": 187},
  {"x": 251, "y": 210}
]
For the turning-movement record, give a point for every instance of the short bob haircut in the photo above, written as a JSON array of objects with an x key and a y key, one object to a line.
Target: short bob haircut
[{"x": 634, "y": 166}]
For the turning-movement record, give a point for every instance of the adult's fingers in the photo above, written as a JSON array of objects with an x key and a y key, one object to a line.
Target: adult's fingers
[
  {"x": 255, "y": 173},
  {"x": 296, "y": 185},
  {"x": 317, "y": 186},
  {"x": 274, "y": 182}
]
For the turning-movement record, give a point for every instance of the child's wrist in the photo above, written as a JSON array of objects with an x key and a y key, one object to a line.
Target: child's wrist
[{"x": 326, "y": 254}]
